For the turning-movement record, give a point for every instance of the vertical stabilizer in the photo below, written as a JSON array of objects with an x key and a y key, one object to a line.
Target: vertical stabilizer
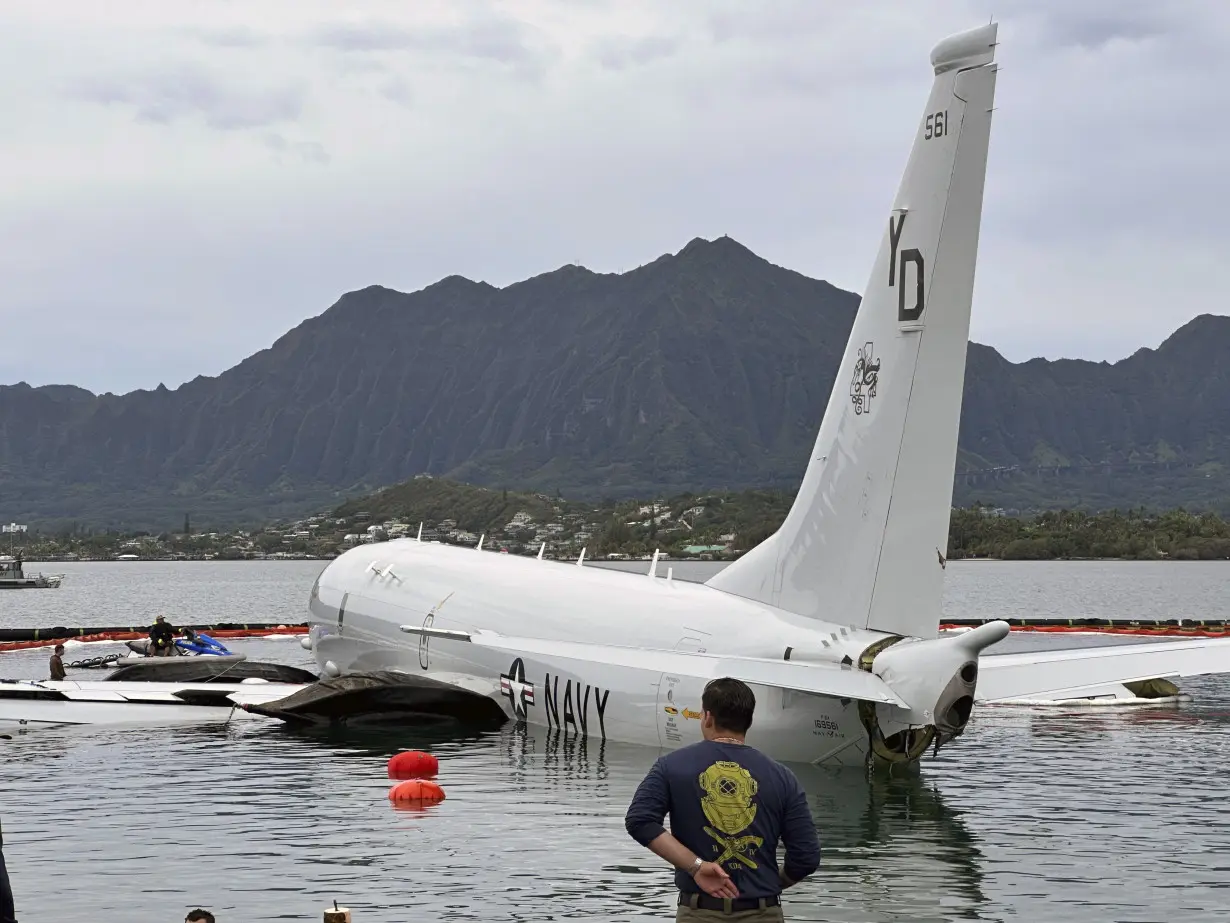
[{"x": 865, "y": 541}]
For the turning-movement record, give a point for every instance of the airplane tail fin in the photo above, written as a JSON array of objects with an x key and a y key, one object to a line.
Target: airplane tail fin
[{"x": 865, "y": 541}]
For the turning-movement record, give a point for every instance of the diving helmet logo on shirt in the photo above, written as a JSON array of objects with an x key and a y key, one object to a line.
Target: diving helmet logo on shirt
[{"x": 727, "y": 803}]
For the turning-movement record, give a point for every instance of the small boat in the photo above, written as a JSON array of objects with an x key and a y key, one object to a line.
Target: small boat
[
  {"x": 14, "y": 577},
  {"x": 194, "y": 644},
  {"x": 198, "y": 658},
  {"x": 30, "y": 704}
]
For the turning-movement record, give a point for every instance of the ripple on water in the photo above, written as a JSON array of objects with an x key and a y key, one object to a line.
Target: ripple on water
[{"x": 1036, "y": 815}]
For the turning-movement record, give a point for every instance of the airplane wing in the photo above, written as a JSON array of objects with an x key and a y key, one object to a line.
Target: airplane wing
[
  {"x": 258, "y": 696},
  {"x": 1067, "y": 673},
  {"x": 819, "y": 679}
]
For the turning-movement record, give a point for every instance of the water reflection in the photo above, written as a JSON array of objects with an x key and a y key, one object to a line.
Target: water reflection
[
  {"x": 892, "y": 848},
  {"x": 1057, "y": 816},
  {"x": 532, "y": 827}
]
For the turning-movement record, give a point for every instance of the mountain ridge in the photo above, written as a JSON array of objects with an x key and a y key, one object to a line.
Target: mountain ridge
[{"x": 706, "y": 368}]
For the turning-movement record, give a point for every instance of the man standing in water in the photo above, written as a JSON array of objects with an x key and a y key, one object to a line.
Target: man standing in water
[
  {"x": 729, "y": 805},
  {"x": 57, "y": 663}
]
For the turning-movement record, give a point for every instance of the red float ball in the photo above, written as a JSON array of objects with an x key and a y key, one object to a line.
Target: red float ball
[
  {"x": 413, "y": 764},
  {"x": 420, "y": 791}
]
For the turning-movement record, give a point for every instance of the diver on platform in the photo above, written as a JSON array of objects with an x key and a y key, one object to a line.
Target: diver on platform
[{"x": 161, "y": 638}]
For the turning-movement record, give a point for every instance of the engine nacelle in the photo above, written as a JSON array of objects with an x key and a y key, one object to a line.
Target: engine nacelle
[{"x": 937, "y": 678}]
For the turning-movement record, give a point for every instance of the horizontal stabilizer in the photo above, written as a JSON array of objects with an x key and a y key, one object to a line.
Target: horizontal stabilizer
[
  {"x": 819, "y": 679},
  {"x": 1064, "y": 674}
]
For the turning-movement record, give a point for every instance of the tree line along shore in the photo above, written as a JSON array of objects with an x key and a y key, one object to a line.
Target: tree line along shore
[{"x": 712, "y": 526}]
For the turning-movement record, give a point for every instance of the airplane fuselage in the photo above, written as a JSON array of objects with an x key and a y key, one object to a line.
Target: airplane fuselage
[
  {"x": 362, "y": 599},
  {"x": 622, "y": 657}
]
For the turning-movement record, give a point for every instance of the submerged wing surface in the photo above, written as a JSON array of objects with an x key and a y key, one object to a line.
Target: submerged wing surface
[
  {"x": 819, "y": 679},
  {"x": 1058, "y": 674}
]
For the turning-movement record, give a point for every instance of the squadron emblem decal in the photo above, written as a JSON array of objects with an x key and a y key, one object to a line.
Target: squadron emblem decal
[
  {"x": 727, "y": 803},
  {"x": 866, "y": 378},
  {"x": 519, "y": 692}
]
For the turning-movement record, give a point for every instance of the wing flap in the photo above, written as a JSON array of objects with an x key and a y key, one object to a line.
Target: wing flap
[
  {"x": 91, "y": 695},
  {"x": 1052, "y": 674},
  {"x": 819, "y": 679},
  {"x": 259, "y": 696}
]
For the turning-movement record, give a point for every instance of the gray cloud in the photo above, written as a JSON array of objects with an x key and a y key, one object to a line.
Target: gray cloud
[
  {"x": 785, "y": 124},
  {"x": 1093, "y": 24},
  {"x": 232, "y": 37},
  {"x": 366, "y": 37},
  {"x": 188, "y": 91},
  {"x": 501, "y": 41},
  {"x": 312, "y": 152},
  {"x": 622, "y": 53},
  {"x": 397, "y": 90}
]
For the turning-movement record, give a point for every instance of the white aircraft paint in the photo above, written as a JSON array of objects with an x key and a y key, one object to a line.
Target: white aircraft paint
[
  {"x": 30, "y": 704},
  {"x": 833, "y": 620}
]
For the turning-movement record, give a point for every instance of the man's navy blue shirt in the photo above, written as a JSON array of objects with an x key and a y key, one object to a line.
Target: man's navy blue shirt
[{"x": 729, "y": 804}]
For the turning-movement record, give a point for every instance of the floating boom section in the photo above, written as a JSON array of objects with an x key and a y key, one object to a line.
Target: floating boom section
[{"x": 865, "y": 541}]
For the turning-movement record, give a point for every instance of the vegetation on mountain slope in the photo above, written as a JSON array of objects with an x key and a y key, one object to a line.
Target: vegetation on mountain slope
[
  {"x": 704, "y": 370},
  {"x": 719, "y": 525}
]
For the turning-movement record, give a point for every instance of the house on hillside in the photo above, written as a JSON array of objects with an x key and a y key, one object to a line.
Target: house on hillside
[{"x": 521, "y": 520}]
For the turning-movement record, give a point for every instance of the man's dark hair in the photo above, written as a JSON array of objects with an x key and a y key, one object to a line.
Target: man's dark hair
[
  {"x": 731, "y": 703},
  {"x": 199, "y": 916}
]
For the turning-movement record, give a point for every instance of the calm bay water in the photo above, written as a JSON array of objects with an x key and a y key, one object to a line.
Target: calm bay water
[{"x": 1037, "y": 814}]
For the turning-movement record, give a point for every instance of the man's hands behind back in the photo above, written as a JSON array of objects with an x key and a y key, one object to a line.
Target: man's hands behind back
[{"x": 714, "y": 881}]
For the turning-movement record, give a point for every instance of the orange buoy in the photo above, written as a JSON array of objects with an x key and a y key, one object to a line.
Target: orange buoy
[
  {"x": 420, "y": 791},
  {"x": 413, "y": 764}
]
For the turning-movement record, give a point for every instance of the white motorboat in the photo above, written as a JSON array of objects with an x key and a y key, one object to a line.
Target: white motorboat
[
  {"x": 28, "y": 704},
  {"x": 14, "y": 577}
]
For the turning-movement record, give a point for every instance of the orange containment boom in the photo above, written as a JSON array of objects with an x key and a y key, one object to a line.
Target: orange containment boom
[
  {"x": 1183, "y": 628},
  {"x": 18, "y": 639}
]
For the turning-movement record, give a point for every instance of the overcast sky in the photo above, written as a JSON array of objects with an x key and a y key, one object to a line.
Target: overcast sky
[{"x": 184, "y": 181}]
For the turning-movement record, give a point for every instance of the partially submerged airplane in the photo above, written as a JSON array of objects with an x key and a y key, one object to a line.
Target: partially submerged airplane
[{"x": 834, "y": 619}]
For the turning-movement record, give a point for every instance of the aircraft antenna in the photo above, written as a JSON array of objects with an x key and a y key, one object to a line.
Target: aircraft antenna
[
  {"x": 653, "y": 566},
  {"x": 541, "y": 549},
  {"x": 480, "y": 542},
  {"x": 420, "y": 531}
]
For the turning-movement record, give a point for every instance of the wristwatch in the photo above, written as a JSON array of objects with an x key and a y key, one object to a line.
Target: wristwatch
[{"x": 695, "y": 866}]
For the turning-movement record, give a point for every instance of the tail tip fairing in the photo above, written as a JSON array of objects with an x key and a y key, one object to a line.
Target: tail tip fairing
[{"x": 972, "y": 48}]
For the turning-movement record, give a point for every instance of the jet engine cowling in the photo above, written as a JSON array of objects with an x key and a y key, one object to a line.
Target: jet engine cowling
[{"x": 937, "y": 678}]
